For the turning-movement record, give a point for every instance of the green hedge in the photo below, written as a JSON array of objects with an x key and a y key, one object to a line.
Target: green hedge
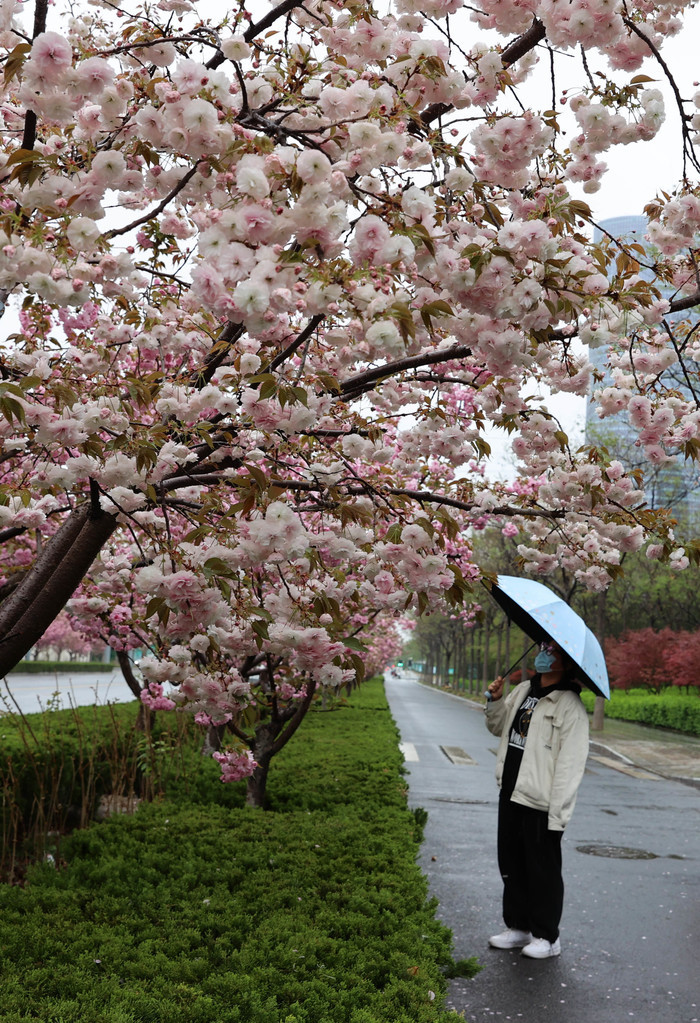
[
  {"x": 55, "y": 766},
  {"x": 201, "y": 910},
  {"x": 670, "y": 708},
  {"x": 49, "y": 667}
]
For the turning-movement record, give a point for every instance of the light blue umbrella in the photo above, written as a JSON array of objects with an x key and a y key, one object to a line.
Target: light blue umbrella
[{"x": 543, "y": 615}]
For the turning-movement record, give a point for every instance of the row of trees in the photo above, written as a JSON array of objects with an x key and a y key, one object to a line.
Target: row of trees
[
  {"x": 647, "y": 621},
  {"x": 467, "y": 656},
  {"x": 269, "y": 277},
  {"x": 654, "y": 659}
]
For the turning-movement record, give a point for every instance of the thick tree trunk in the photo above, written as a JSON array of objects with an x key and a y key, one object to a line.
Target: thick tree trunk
[
  {"x": 270, "y": 738},
  {"x": 49, "y": 584},
  {"x": 256, "y": 786},
  {"x": 146, "y": 717}
]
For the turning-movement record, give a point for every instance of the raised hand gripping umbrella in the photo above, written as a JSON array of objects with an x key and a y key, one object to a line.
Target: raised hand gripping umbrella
[{"x": 543, "y": 615}]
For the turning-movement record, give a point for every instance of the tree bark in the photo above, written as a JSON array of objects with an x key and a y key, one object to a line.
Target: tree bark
[
  {"x": 54, "y": 577},
  {"x": 256, "y": 785},
  {"x": 270, "y": 738},
  {"x": 145, "y": 717}
]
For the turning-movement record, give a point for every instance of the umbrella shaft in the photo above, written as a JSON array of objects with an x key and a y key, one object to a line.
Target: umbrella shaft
[{"x": 507, "y": 673}]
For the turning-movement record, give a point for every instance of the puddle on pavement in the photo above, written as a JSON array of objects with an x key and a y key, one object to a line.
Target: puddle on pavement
[{"x": 616, "y": 852}]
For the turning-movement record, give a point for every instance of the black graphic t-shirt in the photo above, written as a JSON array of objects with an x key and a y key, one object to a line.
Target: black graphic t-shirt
[{"x": 517, "y": 739}]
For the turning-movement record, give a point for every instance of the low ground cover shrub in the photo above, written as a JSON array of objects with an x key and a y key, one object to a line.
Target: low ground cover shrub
[
  {"x": 201, "y": 910},
  {"x": 670, "y": 708},
  {"x": 57, "y": 765},
  {"x": 41, "y": 667}
]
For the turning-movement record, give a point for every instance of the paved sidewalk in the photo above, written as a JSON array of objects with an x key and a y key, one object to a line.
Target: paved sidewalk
[{"x": 654, "y": 751}]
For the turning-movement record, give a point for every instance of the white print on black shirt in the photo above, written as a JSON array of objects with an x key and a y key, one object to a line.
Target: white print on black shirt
[{"x": 521, "y": 723}]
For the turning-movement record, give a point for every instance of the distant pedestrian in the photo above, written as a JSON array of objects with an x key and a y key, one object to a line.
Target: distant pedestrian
[{"x": 543, "y": 727}]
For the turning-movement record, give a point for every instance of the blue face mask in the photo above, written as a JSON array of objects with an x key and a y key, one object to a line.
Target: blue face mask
[{"x": 544, "y": 661}]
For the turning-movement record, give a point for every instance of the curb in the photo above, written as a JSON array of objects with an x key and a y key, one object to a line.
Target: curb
[{"x": 602, "y": 750}]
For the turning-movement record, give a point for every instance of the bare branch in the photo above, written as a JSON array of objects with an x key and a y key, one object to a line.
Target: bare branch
[
  {"x": 356, "y": 385},
  {"x": 295, "y": 344},
  {"x": 514, "y": 51},
  {"x": 30, "y": 121},
  {"x": 160, "y": 207},
  {"x": 688, "y": 147}
]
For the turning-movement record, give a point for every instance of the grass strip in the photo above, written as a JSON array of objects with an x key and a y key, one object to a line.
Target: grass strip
[{"x": 201, "y": 910}]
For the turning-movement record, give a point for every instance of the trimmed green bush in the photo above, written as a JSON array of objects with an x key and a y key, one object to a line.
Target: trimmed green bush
[
  {"x": 44, "y": 667},
  {"x": 201, "y": 910},
  {"x": 670, "y": 708},
  {"x": 55, "y": 766}
]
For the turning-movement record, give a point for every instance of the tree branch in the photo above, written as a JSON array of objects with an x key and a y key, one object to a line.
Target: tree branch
[
  {"x": 363, "y": 381},
  {"x": 428, "y": 497},
  {"x": 678, "y": 305},
  {"x": 218, "y": 352},
  {"x": 688, "y": 148},
  {"x": 43, "y": 568},
  {"x": 45, "y": 590},
  {"x": 513, "y": 51},
  {"x": 294, "y": 345},
  {"x": 299, "y": 716},
  {"x": 259, "y": 26},
  {"x": 128, "y": 673},
  {"x": 30, "y": 119},
  {"x": 159, "y": 208}
]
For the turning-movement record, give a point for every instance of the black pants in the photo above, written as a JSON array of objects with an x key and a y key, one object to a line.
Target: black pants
[{"x": 529, "y": 859}]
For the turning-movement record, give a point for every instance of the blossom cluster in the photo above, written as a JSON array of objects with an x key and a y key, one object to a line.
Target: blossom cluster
[{"x": 272, "y": 295}]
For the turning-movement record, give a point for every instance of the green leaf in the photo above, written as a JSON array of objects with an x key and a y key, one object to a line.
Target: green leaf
[
  {"x": 354, "y": 644},
  {"x": 15, "y": 59}
]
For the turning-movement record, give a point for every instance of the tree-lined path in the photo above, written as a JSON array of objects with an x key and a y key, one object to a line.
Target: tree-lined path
[{"x": 629, "y": 931}]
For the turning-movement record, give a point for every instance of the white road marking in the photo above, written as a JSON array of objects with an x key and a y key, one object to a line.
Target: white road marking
[{"x": 410, "y": 753}]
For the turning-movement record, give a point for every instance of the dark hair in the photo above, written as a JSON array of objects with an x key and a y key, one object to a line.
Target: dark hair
[{"x": 571, "y": 670}]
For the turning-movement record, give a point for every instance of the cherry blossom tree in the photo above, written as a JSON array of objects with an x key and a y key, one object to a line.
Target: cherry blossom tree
[
  {"x": 270, "y": 275},
  {"x": 62, "y": 636}
]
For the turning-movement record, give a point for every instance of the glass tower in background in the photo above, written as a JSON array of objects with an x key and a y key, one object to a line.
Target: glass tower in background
[{"x": 674, "y": 485}]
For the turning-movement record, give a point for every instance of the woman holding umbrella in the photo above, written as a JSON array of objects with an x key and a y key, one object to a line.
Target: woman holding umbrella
[{"x": 543, "y": 728}]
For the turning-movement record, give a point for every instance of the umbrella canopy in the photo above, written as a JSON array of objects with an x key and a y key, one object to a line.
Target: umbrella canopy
[{"x": 543, "y": 615}]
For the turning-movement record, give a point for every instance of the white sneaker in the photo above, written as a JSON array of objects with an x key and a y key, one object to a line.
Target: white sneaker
[
  {"x": 540, "y": 948},
  {"x": 510, "y": 939}
]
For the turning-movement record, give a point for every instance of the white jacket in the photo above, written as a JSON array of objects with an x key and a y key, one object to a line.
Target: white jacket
[{"x": 555, "y": 753}]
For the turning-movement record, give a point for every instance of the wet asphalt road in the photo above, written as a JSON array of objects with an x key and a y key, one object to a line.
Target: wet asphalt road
[{"x": 630, "y": 928}]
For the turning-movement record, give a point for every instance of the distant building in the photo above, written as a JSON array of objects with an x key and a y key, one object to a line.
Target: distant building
[{"x": 674, "y": 485}]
